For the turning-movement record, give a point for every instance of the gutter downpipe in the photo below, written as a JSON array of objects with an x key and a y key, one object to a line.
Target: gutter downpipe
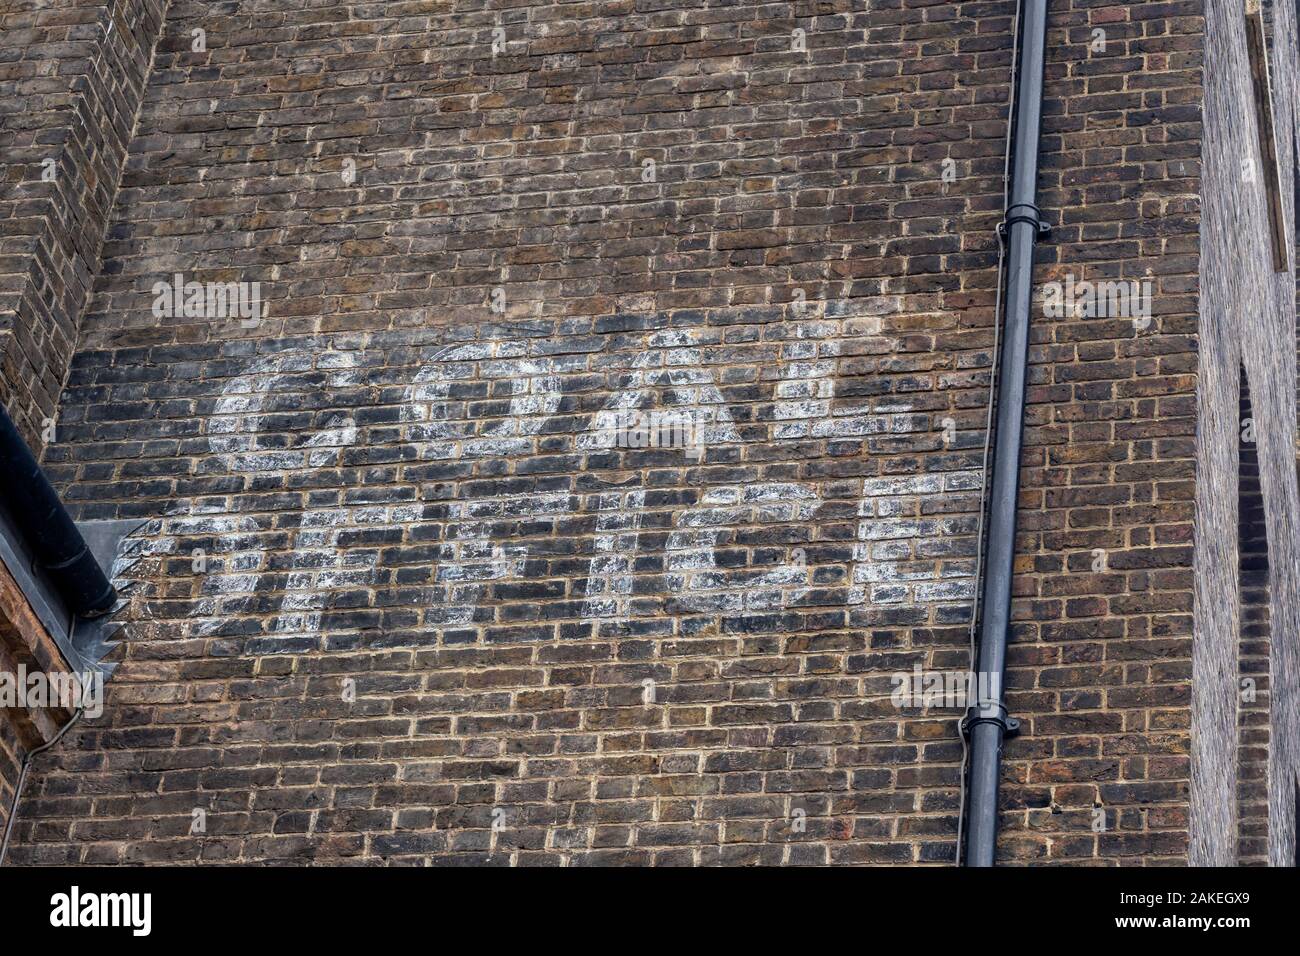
[
  {"x": 57, "y": 546},
  {"x": 988, "y": 723}
]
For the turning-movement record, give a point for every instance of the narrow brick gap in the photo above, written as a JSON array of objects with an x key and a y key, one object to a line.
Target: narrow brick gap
[{"x": 1253, "y": 714}]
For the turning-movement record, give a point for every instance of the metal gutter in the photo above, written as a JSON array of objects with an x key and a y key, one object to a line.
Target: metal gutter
[
  {"x": 54, "y": 540},
  {"x": 988, "y": 723},
  {"x": 60, "y": 566}
]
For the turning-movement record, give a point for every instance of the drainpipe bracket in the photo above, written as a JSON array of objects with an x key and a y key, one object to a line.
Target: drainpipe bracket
[
  {"x": 990, "y": 714},
  {"x": 1024, "y": 212}
]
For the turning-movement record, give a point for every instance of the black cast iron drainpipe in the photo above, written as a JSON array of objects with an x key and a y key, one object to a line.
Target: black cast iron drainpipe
[
  {"x": 55, "y": 543},
  {"x": 988, "y": 722}
]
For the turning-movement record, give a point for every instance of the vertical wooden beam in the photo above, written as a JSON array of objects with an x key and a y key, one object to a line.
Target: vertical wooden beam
[{"x": 1257, "y": 47}]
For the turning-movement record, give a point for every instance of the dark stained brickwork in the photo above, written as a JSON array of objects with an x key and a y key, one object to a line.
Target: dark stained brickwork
[{"x": 395, "y": 585}]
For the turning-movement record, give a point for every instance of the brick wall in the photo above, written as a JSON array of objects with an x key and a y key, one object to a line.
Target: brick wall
[
  {"x": 398, "y": 587},
  {"x": 71, "y": 78},
  {"x": 12, "y": 749},
  {"x": 1246, "y": 491},
  {"x": 1101, "y": 660},
  {"x": 28, "y": 724}
]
